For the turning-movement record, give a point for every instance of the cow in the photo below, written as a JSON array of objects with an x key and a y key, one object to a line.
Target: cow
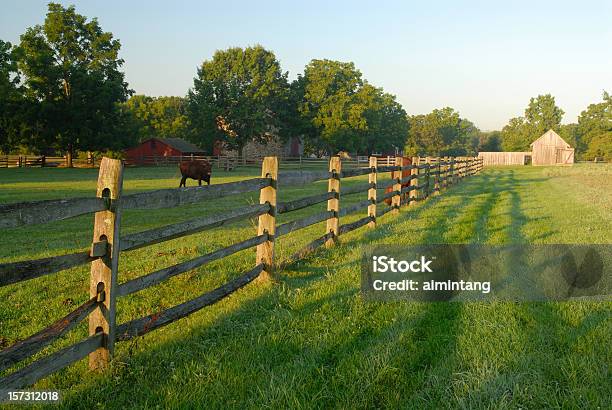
[
  {"x": 199, "y": 170},
  {"x": 405, "y": 173}
]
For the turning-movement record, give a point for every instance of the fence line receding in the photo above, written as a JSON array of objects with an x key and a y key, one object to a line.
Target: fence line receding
[{"x": 412, "y": 180}]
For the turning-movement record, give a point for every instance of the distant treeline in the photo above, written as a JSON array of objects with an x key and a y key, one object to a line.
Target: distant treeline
[{"x": 62, "y": 90}]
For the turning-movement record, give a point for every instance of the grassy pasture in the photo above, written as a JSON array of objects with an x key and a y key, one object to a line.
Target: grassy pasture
[{"x": 310, "y": 340}]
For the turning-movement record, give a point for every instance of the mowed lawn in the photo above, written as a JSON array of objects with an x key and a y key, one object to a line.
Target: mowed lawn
[{"x": 309, "y": 340}]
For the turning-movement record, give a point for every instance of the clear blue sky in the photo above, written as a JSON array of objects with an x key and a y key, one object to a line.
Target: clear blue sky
[{"x": 483, "y": 58}]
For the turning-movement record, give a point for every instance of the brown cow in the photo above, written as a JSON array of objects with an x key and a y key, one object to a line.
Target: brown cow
[
  {"x": 199, "y": 170},
  {"x": 405, "y": 173}
]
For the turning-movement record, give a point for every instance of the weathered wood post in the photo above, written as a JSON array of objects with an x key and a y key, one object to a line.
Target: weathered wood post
[
  {"x": 396, "y": 200},
  {"x": 445, "y": 168},
  {"x": 103, "y": 277},
  {"x": 414, "y": 182},
  {"x": 437, "y": 176},
  {"x": 267, "y": 222},
  {"x": 427, "y": 177},
  {"x": 457, "y": 170},
  {"x": 333, "y": 204},
  {"x": 372, "y": 191}
]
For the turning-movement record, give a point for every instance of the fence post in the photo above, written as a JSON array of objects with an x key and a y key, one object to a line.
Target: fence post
[
  {"x": 437, "y": 176},
  {"x": 414, "y": 182},
  {"x": 396, "y": 200},
  {"x": 427, "y": 177},
  {"x": 445, "y": 183},
  {"x": 333, "y": 204},
  {"x": 103, "y": 277},
  {"x": 372, "y": 191},
  {"x": 267, "y": 222}
]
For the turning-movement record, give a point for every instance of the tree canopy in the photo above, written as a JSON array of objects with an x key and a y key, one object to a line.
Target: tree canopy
[
  {"x": 541, "y": 115},
  {"x": 440, "y": 133},
  {"x": 595, "y": 129},
  {"x": 164, "y": 117},
  {"x": 238, "y": 96},
  {"x": 71, "y": 69},
  {"x": 11, "y": 99},
  {"x": 343, "y": 112}
]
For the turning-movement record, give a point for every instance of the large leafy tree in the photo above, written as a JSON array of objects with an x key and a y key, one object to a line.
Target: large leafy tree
[
  {"x": 516, "y": 135},
  {"x": 71, "y": 68},
  {"x": 339, "y": 111},
  {"x": 238, "y": 96},
  {"x": 164, "y": 117},
  {"x": 386, "y": 121},
  {"x": 595, "y": 129},
  {"x": 331, "y": 105},
  {"x": 442, "y": 132},
  {"x": 541, "y": 115},
  {"x": 489, "y": 141},
  {"x": 11, "y": 100}
]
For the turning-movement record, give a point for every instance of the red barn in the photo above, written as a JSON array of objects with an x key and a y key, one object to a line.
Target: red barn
[{"x": 158, "y": 148}]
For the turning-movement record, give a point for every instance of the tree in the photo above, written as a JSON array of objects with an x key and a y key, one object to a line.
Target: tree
[
  {"x": 12, "y": 103},
  {"x": 386, "y": 121},
  {"x": 489, "y": 141},
  {"x": 441, "y": 132},
  {"x": 331, "y": 105},
  {"x": 570, "y": 133},
  {"x": 541, "y": 115},
  {"x": 71, "y": 69},
  {"x": 238, "y": 96},
  {"x": 516, "y": 135},
  {"x": 164, "y": 117},
  {"x": 595, "y": 128},
  {"x": 8, "y": 91}
]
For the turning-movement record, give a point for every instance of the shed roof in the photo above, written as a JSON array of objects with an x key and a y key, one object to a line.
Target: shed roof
[
  {"x": 552, "y": 138},
  {"x": 180, "y": 144}
]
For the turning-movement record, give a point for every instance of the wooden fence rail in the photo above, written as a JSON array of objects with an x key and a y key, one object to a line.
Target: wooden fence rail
[{"x": 426, "y": 176}]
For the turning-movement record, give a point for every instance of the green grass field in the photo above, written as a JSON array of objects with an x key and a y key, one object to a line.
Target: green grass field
[{"x": 310, "y": 340}]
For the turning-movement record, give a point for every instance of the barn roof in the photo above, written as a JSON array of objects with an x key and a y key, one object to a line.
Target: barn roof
[
  {"x": 180, "y": 144},
  {"x": 552, "y": 136}
]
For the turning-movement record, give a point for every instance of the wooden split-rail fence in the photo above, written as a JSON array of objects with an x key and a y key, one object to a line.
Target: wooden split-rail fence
[
  {"x": 408, "y": 184},
  {"x": 41, "y": 161}
]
